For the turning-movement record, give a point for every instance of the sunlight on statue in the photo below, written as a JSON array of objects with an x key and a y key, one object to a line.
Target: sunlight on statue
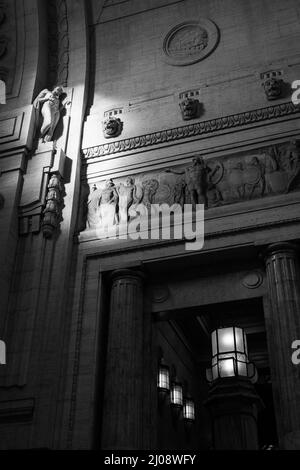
[{"x": 49, "y": 106}]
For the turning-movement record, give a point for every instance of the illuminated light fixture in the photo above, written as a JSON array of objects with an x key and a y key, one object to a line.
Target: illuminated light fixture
[
  {"x": 230, "y": 355},
  {"x": 176, "y": 394},
  {"x": 189, "y": 410},
  {"x": 163, "y": 377}
]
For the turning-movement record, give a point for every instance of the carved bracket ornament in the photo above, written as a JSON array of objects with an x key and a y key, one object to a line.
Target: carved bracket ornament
[
  {"x": 273, "y": 84},
  {"x": 52, "y": 213},
  {"x": 193, "y": 129},
  {"x": 217, "y": 182},
  {"x": 112, "y": 127},
  {"x": 41, "y": 207},
  {"x": 189, "y": 105}
]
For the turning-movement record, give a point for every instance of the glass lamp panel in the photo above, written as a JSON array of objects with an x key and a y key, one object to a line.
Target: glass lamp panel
[
  {"x": 245, "y": 343},
  {"x": 163, "y": 378},
  {"x": 176, "y": 395},
  {"x": 252, "y": 372},
  {"x": 241, "y": 357},
  {"x": 226, "y": 340},
  {"x": 242, "y": 368},
  {"x": 239, "y": 338},
  {"x": 226, "y": 367},
  {"x": 214, "y": 343},
  {"x": 227, "y": 356},
  {"x": 215, "y": 371},
  {"x": 189, "y": 410},
  {"x": 209, "y": 376}
]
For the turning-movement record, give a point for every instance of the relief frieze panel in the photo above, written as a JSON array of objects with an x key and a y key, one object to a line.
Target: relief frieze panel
[{"x": 215, "y": 182}]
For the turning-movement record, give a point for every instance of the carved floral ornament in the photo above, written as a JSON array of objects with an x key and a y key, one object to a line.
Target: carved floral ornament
[
  {"x": 190, "y": 42},
  {"x": 214, "y": 183}
]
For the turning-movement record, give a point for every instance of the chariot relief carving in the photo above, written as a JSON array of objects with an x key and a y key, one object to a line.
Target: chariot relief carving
[
  {"x": 214, "y": 182},
  {"x": 190, "y": 42}
]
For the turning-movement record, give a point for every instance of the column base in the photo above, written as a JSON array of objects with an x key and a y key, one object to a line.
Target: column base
[{"x": 291, "y": 441}]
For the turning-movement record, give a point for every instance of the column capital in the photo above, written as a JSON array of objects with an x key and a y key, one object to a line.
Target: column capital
[
  {"x": 280, "y": 248},
  {"x": 125, "y": 273}
]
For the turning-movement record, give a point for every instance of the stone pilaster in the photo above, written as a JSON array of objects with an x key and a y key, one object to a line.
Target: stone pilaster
[
  {"x": 123, "y": 395},
  {"x": 283, "y": 325}
]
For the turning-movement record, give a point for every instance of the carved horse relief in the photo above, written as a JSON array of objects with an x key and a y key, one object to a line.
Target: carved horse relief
[
  {"x": 276, "y": 180},
  {"x": 241, "y": 180}
]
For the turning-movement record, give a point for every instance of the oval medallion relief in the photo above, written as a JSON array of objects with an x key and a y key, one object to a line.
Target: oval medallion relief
[{"x": 190, "y": 42}]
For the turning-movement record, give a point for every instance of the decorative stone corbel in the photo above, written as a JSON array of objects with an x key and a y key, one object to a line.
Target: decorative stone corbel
[
  {"x": 189, "y": 104},
  {"x": 112, "y": 124},
  {"x": 272, "y": 83},
  {"x": 52, "y": 213}
]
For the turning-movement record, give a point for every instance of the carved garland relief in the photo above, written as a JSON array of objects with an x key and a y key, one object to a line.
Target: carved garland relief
[{"x": 221, "y": 181}]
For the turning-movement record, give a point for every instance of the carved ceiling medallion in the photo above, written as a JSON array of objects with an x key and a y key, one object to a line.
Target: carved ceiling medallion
[{"x": 190, "y": 42}]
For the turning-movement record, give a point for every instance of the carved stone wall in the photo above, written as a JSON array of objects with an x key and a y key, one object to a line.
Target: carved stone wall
[
  {"x": 215, "y": 182},
  {"x": 11, "y": 45},
  {"x": 58, "y": 35}
]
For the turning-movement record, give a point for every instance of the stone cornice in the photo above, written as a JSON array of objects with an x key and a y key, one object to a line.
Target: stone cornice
[{"x": 192, "y": 130}]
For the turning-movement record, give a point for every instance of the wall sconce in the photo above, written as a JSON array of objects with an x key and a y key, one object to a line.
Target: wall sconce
[
  {"x": 163, "y": 377},
  {"x": 163, "y": 381},
  {"x": 189, "y": 410},
  {"x": 176, "y": 394},
  {"x": 230, "y": 355},
  {"x": 176, "y": 398}
]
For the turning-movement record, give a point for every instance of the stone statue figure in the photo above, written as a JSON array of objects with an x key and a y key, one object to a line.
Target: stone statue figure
[
  {"x": 102, "y": 207},
  {"x": 129, "y": 194},
  {"x": 150, "y": 187},
  {"x": 195, "y": 177},
  {"x": 48, "y": 105},
  {"x": 107, "y": 205}
]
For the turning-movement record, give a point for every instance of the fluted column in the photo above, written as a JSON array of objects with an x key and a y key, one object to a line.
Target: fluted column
[
  {"x": 234, "y": 405},
  {"x": 123, "y": 396},
  {"x": 284, "y": 327}
]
